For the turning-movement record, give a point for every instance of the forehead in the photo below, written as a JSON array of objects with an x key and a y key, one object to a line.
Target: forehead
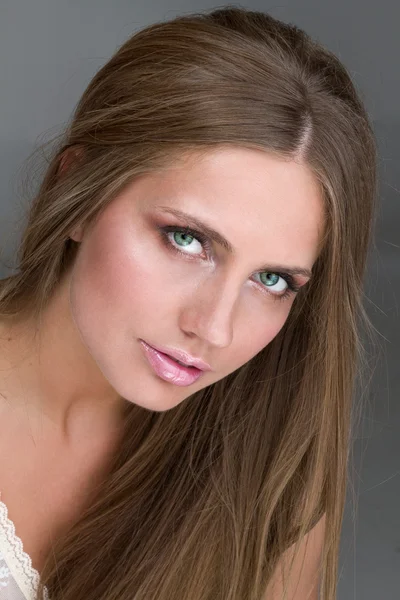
[{"x": 249, "y": 195}]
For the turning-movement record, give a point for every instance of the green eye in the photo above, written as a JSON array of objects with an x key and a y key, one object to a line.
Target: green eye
[
  {"x": 184, "y": 236},
  {"x": 271, "y": 278},
  {"x": 275, "y": 280}
]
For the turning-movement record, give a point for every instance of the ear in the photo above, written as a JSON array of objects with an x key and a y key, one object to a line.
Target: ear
[
  {"x": 76, "y": 234},
  {"x": 68, "y": 158}
]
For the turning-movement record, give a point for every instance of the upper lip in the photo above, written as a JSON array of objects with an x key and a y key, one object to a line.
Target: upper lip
[{"x": 183, "y": 356}]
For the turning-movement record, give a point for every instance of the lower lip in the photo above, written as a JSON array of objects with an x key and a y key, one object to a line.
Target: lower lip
[{"x": 168, "y": 369}]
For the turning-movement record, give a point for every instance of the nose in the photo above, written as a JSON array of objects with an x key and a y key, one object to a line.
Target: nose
[{"x": 209, "y": 312}]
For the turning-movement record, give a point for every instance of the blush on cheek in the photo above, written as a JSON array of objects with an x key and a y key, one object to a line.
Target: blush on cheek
[
  {"x": 247, "y": 346},
  {"x": 123, "y": 277},
  {"x": 271, "y": 333},
  {"x": 273, "y": 327}
]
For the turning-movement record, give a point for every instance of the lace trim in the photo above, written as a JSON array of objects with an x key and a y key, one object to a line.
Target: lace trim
[
  {"x": 5, "y": 573},
  {"x": 18, "y": 561}
]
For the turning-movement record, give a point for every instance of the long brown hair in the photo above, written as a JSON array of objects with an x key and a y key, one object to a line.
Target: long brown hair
[{"x": 202, "y": 500}]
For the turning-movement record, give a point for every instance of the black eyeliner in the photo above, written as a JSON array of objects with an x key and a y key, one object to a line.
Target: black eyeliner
[
  {"x": 292, "y": 285},
  {"x": 188, "y": 231}
]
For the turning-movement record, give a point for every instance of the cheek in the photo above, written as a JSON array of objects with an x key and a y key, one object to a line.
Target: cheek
[
  {"x": 118, "y": 287},
  {"x": 109, "y": 286},
  {"x": 254, "y": 332}
]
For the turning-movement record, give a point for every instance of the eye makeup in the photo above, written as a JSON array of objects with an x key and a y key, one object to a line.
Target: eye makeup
[{"x": 165, "y": 231}]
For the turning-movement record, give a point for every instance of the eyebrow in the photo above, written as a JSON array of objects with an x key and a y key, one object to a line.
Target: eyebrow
[{"x": 217, "y": 237}]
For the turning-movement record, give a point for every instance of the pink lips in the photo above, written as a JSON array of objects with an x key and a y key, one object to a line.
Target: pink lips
[{"x": 168, "y": 369}]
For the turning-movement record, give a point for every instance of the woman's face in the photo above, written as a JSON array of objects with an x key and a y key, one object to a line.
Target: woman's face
[{"x": 135, "y": 280}]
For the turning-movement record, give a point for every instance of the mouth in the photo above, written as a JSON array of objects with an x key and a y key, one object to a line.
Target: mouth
[{"x": 168, "y": 368}]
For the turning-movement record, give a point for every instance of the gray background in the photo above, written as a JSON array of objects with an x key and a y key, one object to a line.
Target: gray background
[{"x": 50, "y": 49}]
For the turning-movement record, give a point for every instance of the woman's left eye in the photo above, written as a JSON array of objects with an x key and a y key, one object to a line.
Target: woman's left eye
[
  {"x": 273, "y": 279},
  {"x": 285, "y": 284}
]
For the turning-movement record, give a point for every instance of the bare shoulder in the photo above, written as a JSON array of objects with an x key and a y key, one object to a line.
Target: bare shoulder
[{"x": 304, "y": 579}]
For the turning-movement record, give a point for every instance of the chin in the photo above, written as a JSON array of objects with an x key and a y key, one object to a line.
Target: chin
[{"x": 156, "y": 406}]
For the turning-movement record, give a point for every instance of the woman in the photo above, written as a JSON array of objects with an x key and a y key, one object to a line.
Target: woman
[{"x": 210, "y": 203}]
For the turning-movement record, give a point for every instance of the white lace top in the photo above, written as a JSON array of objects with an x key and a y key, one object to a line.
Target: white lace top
[{"x": 18, "y": 579}]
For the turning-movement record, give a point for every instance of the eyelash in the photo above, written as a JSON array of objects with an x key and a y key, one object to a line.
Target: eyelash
[{"x": 292, "y": 288}]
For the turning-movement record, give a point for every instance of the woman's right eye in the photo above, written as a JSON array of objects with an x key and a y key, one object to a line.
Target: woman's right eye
[{"x": 182, "y": 240}]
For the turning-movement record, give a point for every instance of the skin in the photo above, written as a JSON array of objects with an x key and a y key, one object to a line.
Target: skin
[
  {"x": 63, "y": 391},
  {"x": 127, "y": 285}
]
